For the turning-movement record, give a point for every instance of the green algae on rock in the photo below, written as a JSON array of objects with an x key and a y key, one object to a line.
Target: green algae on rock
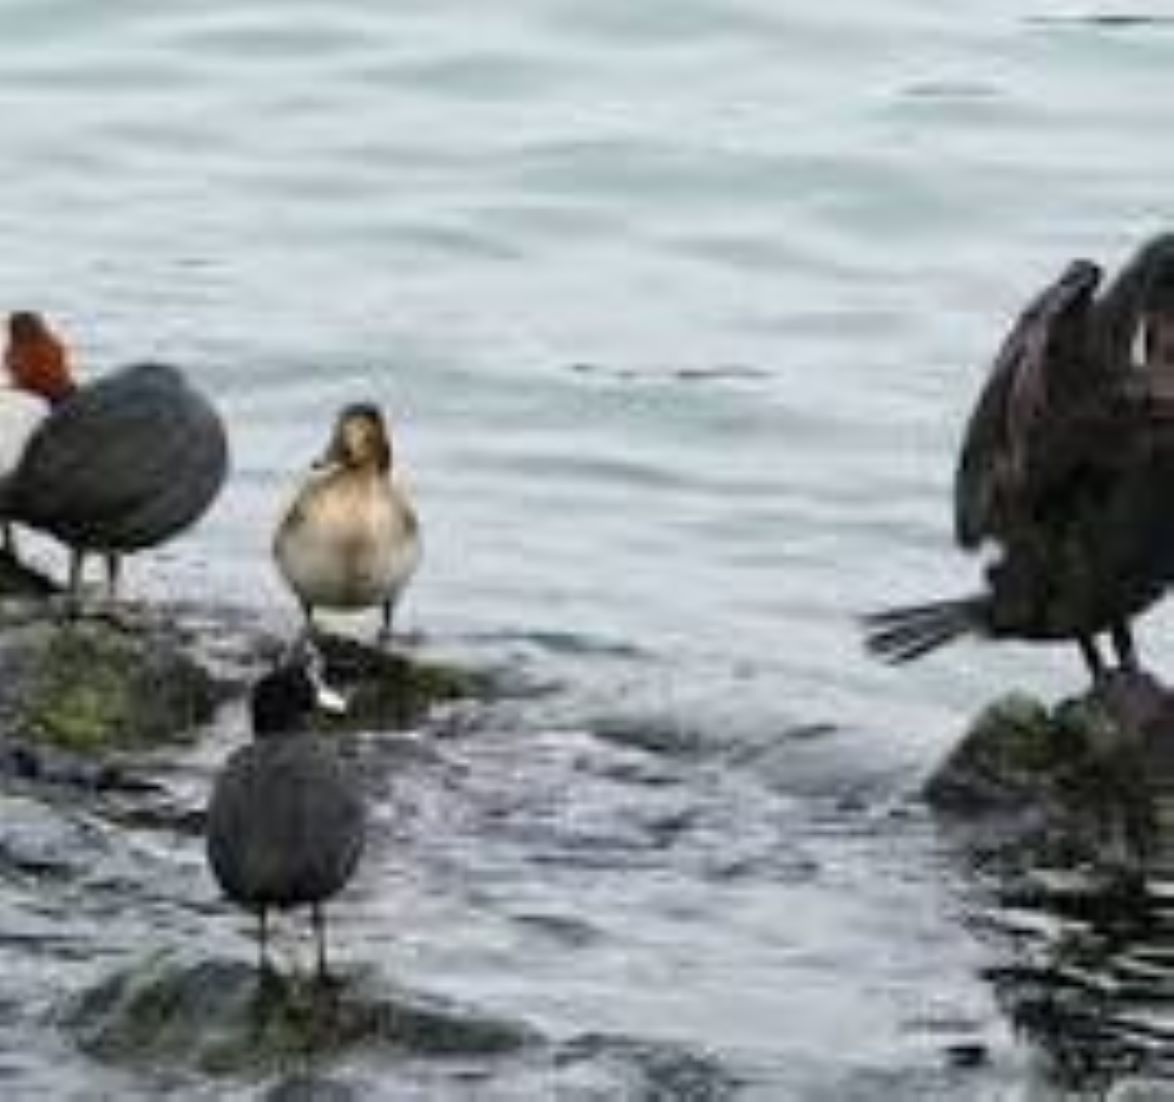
[
  {"x": 222, "y": 1017},
  {"x": 388, "y": 690},
  {"x": 1010, "y": 750},
  {"x": 91, "y": 686},
  {"x": 1089, "y": 782},
  {"x": 1018, "y": 751}
]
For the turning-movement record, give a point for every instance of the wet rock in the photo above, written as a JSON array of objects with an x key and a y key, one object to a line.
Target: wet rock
[
  {"x": 1064, "y": 820},
  {"x": 387, "y": 690},
  {"x": 92, "y": 685},
  {"x": 77, "y": 694},
  {"x": 1087, "y": 782},
  {"x": 1019, "y": 750},
  {"x": 221, "y": 1017}
]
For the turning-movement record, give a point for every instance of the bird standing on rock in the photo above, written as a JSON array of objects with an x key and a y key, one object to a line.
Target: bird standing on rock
[
  {"x": 119, "y": 464},
  {"x": 285, "y": 825},
  {"x": 1067, "y": 468},
  {"x": 350, "y": 540}
]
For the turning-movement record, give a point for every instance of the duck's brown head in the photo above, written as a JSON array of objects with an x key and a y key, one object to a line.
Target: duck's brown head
[
  {"x": 360, "y": 439},
  {"x": 36, "y": 359}
]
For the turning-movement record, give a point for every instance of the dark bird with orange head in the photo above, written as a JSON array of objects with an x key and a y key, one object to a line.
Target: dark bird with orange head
[{"x": 114, "y": 466}]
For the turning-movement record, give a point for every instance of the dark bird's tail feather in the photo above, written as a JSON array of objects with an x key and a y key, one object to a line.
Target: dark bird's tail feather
[{"x": 906, "y": 633}]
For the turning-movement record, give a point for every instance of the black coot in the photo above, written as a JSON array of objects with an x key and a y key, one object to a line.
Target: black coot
[{"x": 285, "y": 822}]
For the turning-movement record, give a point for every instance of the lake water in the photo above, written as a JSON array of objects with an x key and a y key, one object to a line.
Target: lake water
[{"x": 677, "y": 311}]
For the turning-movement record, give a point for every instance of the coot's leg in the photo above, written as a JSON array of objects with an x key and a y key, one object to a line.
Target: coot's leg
[
  {"x": 388, "y": 613},
  {"x": 318, "y": 919},
  {"x": 263, "y": 963},
  {"x": 113, "y": 573},
  {"x": 1125, "y": 647},
  {"x": 308, "y": 617},
  {"x": 1092, "y": 658}
]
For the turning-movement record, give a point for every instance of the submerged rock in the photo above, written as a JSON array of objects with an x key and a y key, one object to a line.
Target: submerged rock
[{"x": 222, "y": 1017}]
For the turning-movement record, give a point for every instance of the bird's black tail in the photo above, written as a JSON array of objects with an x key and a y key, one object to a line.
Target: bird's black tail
[{"x": 905, "y": 633}]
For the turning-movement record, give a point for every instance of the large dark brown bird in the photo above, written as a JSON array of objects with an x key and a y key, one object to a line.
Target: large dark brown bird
[
  {"x": 285, "y": 824},
  {"x": 1065, "y": 468},
  {"x": 120, "y": 464}
]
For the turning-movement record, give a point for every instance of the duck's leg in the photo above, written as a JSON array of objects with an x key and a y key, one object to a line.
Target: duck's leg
[
  {"x": 318, "y": 920},
  {"x": 1124, "y": 645},
  {"x": 387, "y": 610},
  {"x": 1092, "y": 658},
  {"x": 8, "y": 535}
]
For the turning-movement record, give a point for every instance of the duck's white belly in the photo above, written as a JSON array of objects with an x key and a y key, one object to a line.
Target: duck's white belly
[
  {"x": 20, "y": 414},
  {"x": 344, "y": 548}
]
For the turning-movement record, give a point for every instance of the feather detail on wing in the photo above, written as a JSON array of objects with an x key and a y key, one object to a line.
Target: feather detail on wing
[
  {"x": 1043, "y": 366},
  {"x": 1122, "y": 308},
  {"x": 123, "y": 462}
]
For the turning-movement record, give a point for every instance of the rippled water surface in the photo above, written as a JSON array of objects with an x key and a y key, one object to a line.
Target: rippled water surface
[{"x": 677, "y": 309}]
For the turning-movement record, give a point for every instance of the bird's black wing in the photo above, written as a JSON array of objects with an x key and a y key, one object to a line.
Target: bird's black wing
[
  {"x": 1120, "y": 310},
  {"x": 1034, "y": 374}
]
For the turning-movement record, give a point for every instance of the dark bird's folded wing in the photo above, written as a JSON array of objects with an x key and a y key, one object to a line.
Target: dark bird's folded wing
[
  {"x": 1043, "y": 365},
  {"x": 1120, "y": 310},
  {"x": 125, "y": 462}
]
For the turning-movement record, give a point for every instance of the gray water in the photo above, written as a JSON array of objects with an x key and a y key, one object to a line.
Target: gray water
[{"x": 677, "y": 310}]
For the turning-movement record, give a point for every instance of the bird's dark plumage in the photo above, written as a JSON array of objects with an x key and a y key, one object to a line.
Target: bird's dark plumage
[
  {"x": 123, "y": 463},
  {"x": 286, "y": 821},
  {"x": 1042, "y": 371},
  {"x": 1066, "y": 466}
]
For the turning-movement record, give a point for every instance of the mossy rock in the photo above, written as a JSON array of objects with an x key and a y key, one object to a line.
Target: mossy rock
[
  {"x": 220, "y": 1017},
  {"x": 91, "y": 686},
  {"x": 1010, "y": 750},
  {"x": 390, "y": 690},
  {"x": 1019, "y": 752},
  {"x": 1091, "y": 780}
]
